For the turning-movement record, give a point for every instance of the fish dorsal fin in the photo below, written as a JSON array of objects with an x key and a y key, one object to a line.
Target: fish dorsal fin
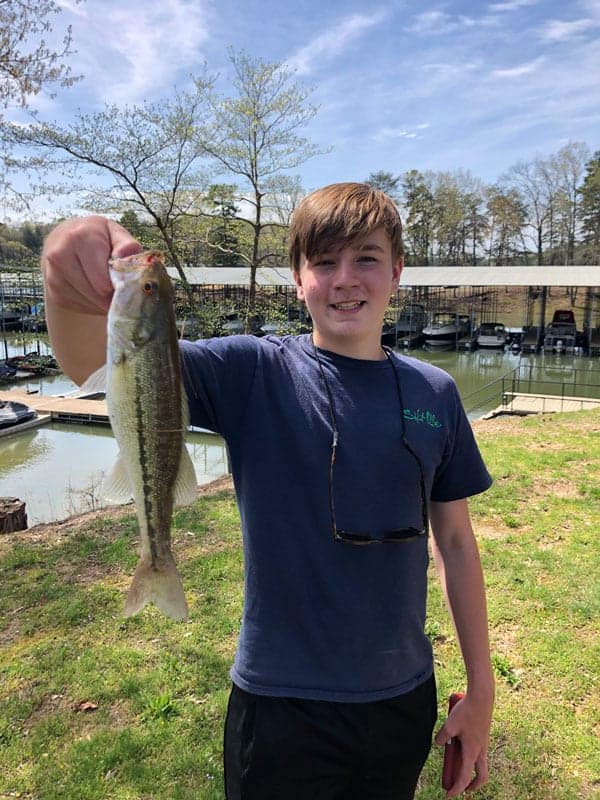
[
  {"x": 186, "y": 485},
  {"x": 96, "y": 382},
  {"x": 116, "y": 486}
]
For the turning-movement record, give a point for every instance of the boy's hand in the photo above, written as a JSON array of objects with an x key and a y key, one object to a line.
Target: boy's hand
[
  {"x": 469, "y": 721},
  {"x": 75, "y": 262}
]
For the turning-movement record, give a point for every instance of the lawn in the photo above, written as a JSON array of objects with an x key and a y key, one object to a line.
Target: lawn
[{"x": 95, "y": 706}]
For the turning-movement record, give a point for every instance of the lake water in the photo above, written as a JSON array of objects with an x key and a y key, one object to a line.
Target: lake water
[{"x": 57, "y": 469}]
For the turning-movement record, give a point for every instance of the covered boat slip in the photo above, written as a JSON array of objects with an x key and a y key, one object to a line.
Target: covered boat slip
[{"x": 522, "y": 298}]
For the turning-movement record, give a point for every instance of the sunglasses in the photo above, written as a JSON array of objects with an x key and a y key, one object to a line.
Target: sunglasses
[{"x": 397, "y": 535}]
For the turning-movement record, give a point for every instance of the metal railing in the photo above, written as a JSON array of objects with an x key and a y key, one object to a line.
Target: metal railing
[{"x": 529, "y": 379}]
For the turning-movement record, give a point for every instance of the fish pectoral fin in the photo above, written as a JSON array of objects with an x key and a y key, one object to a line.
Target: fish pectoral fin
[
  {"x": 96, "y": 382},
  {"x": 160, "y": 585},
  {"x": 115, "y": 486},
  {"x": 186, "y": 485}
]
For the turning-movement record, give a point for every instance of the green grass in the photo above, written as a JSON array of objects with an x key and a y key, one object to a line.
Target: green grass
[{"x": 156, "y": 691}]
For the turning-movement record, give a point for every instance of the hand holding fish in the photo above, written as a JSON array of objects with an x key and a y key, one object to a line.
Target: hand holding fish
[
  {"x": 137, "y": 341},
  {"x": 78, "y": 289},
  {"x": 75, "y": 262}
]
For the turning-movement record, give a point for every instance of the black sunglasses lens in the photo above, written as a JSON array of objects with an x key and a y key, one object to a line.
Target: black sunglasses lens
[{"x": 400, "y": 535}]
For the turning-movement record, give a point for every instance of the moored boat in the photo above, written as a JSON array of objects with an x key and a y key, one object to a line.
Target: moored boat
[
  {"x": 446, "y": 328},
  {"x": 411, "y": 320},
  {"x": 492, "y": 334},
  {"x": 561, "y": 335},
  {"x": 12, "y": 413}
]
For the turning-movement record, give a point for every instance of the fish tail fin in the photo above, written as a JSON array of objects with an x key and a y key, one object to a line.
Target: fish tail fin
[{"x": 160, "y": 585}]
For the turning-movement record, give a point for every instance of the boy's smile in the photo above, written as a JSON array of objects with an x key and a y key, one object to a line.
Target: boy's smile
[{"x": 347, "y": 292}]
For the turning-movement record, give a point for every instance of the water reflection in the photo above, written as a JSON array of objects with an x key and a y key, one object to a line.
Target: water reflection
[
  {"x": 58, "y": 470},
  {"x": 18, "y": 451}
]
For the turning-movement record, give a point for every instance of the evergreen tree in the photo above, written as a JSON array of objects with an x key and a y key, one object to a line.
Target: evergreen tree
[{"x": 589, "y": 211}]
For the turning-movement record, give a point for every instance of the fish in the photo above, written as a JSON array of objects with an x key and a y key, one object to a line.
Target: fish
[{"x": 148, "y": 412}]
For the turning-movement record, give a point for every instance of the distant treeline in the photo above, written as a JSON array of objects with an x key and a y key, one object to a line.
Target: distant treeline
[{"x": 544, "y": 211}]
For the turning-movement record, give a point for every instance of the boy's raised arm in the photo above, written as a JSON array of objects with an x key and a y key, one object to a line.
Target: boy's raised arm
[{"x": 78, "y": 290}]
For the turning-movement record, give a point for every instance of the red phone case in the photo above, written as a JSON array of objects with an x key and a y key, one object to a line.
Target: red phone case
[{"x": 452, "y": 754}]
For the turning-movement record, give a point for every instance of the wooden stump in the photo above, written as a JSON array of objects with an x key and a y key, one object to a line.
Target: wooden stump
[{"x": 13, "y": 516}]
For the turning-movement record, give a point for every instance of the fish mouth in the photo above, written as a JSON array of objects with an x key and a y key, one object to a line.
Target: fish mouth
[{"x": 137, "y": 261}]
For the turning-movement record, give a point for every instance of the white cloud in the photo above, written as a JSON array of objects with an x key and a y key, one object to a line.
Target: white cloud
[
  {"x": 591, "y": 6},
  {"x": 143, "y": 45},
  {"x": 559, "y": 31},
  {"x": 333, "y": 42},
  {"x": 512, "y": 5},
  {"x": 386, "y": 133},
  {"x": 518, "y": 71},
  {"x": 439, "y": 22}
]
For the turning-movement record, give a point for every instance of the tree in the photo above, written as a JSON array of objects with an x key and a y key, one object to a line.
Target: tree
[
  {"x": 385, "y": 181},
  {"x": 589, "y": 211},
  {"x": 222, "y": 239},
  {"x": 27, "y": 63},
  {"x": 254, "y": 137},
  {"x": 144, "y": 158},
  {"x": 531, "y": 179},
  {"x": 506, "y": 212},
  {"x": 418, "y": 204},
  {"x": 568, "y": 166}
]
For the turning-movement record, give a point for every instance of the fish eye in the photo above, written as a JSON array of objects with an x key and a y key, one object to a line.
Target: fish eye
[{"x": 150, "y": 287}]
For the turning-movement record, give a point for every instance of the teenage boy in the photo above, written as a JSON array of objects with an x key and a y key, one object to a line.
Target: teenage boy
[{"x": 342, "y": 453}]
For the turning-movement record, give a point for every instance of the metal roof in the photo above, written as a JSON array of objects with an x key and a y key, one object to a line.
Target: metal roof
[
  {"x": 501, "y": 276},
  {"x": 413, "y": 276},
  {"x": 235, "y": 276}
]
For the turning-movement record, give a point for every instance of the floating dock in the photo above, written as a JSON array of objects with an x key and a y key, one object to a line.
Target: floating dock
[
  {"x": 522, "y": 403},
  {"x": 60, "y": 409}
]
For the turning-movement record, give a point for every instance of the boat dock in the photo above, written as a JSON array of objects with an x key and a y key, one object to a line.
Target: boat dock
[
  {"x": 57, "y": 409},
  {"x": 77, "y": 410},
  {"x": 522, "y": 403}
]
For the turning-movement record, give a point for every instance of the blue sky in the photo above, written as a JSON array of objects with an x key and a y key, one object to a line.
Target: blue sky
[{"x": 400, "y": 85}]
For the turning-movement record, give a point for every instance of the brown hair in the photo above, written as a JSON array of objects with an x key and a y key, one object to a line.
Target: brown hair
[{"x": 338, "y": 215}]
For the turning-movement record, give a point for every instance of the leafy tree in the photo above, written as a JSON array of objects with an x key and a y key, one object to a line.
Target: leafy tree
[
  {"x": 506, "y": 211},
  {"x": 385, "y": 181},
  {"x": 568, "y": 167},
  {"x": 254, "y": 137},
  {"x": 589, "y": 211},
  {"x": 27, "y": 63},
  {"x": 223, "y": 241},
  {"x": 144, "y": 158},
  {"x": 419, "y": 210}
]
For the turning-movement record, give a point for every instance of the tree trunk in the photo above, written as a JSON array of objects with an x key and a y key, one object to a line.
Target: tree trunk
[
  {"x": 177, "y": 264},
  {"x": 13, "y": 516}
]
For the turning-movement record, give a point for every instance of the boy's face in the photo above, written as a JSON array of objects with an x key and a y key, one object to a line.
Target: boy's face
[{"x": 347, "y": 292}]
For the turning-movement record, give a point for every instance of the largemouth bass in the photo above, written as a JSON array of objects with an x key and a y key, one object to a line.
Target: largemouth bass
[{"x": 148, "y": 413}]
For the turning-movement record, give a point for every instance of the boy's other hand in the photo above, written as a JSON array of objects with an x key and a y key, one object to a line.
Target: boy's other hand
[{"x": 469, "y": 721}]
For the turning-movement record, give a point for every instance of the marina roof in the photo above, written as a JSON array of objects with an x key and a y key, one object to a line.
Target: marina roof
[{"x": 413, "y": 276}]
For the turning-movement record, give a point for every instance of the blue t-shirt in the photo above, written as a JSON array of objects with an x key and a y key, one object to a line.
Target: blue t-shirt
[{"x": 323, "y": 619}]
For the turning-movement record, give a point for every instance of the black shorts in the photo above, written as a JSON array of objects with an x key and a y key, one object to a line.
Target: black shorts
[{"x": 281, "y": 748}]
